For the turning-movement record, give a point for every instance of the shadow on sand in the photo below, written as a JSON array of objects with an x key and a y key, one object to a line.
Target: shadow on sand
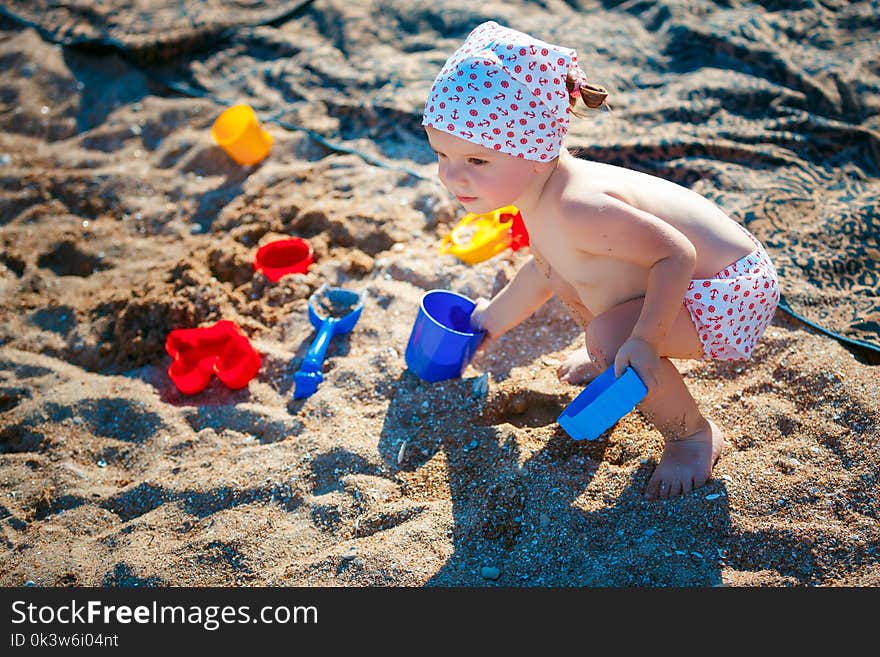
[{"x": 527, "y": 519}]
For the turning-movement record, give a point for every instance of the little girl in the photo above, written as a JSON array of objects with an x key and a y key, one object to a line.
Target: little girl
[{"x": 650, "y": 269}]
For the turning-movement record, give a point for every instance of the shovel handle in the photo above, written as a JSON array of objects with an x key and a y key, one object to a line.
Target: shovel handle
[{"x": 314, "y": 359}]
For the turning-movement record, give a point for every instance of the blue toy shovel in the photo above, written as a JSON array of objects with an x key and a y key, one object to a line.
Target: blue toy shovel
[
  {"x": 602, "y": 403},
  {"x": 332, "y": 310}
]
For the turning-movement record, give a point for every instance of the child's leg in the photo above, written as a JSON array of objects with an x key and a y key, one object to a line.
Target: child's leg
[{"x": 692, "y": 443}]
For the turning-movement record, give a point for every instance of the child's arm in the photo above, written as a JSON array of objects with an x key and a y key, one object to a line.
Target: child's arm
[
  {"x": 527, "y": 292},
  {"x": 668, "y": 279},
  {"x": 610, "y": 227}
]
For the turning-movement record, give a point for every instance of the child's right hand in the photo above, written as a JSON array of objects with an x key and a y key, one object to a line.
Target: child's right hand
[{"x": 479, "y": 323}]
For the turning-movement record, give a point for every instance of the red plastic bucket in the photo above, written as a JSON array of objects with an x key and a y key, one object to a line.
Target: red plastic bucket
[{"x": 288, "y": 256}]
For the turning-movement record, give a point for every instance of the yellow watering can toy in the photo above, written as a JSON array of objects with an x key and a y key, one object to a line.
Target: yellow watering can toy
[{"x": 478, "y": 237}]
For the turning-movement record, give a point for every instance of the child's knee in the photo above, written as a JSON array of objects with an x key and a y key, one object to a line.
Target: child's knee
[
  {"x": 602, "y": 340},
  {"x": 608, "y": 331}
]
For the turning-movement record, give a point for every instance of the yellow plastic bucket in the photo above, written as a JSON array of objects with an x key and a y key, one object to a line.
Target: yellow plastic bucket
[{"x": 239, "y": 132}]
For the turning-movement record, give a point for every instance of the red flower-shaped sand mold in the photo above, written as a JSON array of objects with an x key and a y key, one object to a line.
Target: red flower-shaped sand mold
[{"x": 199, "y": 353}]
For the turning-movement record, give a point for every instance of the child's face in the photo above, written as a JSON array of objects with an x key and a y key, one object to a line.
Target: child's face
[{"x": 481, "y": 179}]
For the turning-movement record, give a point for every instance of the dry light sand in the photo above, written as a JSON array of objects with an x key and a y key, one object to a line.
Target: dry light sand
[{"x": 121, "y": 220}]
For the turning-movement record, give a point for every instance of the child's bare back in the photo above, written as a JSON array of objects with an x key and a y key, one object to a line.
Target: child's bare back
[{"x": 597, "y": 282}]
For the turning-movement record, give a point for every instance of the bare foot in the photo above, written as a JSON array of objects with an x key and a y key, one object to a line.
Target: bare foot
[
  {"x": 686, "y": 464},
  {"x": 578, "y": 368}
]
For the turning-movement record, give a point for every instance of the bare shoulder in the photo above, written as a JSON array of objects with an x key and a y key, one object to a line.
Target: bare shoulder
[
  {"x": 609, "y": 192},
  {"x": 588, "y": 220},
  {"x": 592, "y": 207},
  {"x": 588, "y": 191}
]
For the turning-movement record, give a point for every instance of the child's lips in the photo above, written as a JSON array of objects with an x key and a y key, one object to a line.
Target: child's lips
[{"x": 466, "y": 199}]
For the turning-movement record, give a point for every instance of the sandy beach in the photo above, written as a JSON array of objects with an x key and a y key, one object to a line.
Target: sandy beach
[{"x": 121, "y": 220}]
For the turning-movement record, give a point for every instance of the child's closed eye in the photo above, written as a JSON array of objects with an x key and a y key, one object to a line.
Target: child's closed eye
[{"x": 476, "y": 161}]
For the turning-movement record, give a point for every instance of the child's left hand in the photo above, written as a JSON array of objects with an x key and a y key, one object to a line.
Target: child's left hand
[{"x": 642, "y": 357}]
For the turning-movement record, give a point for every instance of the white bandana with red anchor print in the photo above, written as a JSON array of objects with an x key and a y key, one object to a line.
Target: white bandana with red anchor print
[{"x": 504, "y": 90}]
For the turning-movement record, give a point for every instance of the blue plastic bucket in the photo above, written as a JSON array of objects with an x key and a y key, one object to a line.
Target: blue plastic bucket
[{"x": 442, "y": 343}]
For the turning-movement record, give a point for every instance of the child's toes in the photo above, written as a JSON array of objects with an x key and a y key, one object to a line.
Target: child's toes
[
  {"x": 687, "y": 486},
  {"x": 652, "y": 490},
  {"x": 561, "y": 372}
]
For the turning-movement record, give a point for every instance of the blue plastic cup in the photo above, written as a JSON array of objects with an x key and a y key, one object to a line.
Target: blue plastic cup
[
  {"x": 602, "y": 403},
  {"x": 442, "y": 343}
]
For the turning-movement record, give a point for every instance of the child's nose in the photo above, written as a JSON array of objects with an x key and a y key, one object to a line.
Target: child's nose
[{"x": 451, "y": 175}]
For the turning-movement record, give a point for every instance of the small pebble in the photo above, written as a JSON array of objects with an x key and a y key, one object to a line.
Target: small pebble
[
  {"x": 480, "y": 386},
  {"x": 490, "y": 572},
  {"x": 401, "y": 452}
]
